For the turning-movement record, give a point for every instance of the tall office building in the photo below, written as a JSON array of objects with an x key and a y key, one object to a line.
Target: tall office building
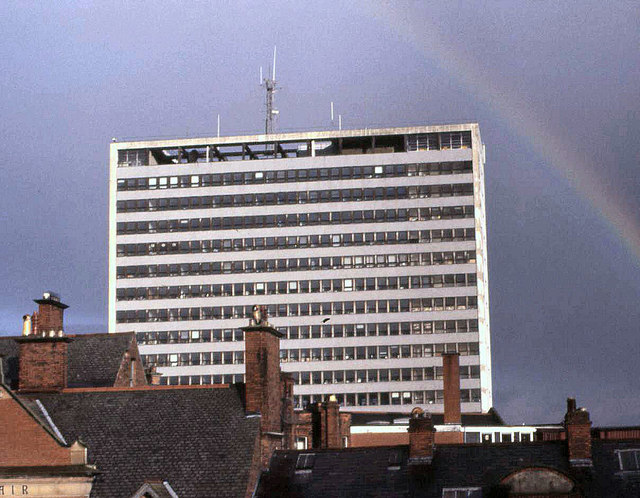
[{"x": 368, "y": 247}]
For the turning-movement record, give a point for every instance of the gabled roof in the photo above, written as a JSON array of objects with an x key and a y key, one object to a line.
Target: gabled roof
[
  {"x": 384, "y": 470},
  {"x": 94, "y": 359},
  {"x": 196, "y": 438}
]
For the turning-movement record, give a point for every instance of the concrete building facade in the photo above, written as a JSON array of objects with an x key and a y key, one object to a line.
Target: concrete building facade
[{"x": 367, "y": 248}]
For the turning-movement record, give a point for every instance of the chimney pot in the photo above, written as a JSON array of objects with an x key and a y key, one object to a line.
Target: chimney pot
[{"x": 26, "y": 325}]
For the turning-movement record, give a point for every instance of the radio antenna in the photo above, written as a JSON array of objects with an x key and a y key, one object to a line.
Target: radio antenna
[{"x": 270, "y": 86}]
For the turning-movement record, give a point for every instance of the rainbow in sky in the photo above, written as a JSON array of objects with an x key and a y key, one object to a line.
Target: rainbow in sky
[{"x": 551, "y": 146}]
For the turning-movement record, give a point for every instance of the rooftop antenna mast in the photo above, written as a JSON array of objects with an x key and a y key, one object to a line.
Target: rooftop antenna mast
[{"x": 270, "y": 86}]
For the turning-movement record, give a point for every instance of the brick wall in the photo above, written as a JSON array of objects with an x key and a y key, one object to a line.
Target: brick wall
[
  {"x": 48, "y": 318},
  {"x": 24, "y": 441},
  {"x": 43, "y": 363},
  {"x": 379, "y": 439}
]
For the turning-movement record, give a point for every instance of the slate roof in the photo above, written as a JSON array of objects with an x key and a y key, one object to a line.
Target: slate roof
[
  {"x": 9, "y": 358},
  {"x": 356, "y": 472},
  {"x": 197, "y": 439},
  {"x": 94, "y": 359},
  {"x": 490, "y": 418}
]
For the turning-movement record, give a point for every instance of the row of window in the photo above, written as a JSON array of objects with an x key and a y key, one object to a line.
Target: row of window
[
  {"x": 300, "y": 309},
  {"x": 197, "y": 380},
  {"x": 348, "y": 399},
  {"x": 378, "y": 352},
  {"x": 387, "y": 398},
  {"x": 273, "y": 150},
  {"x": 314, "y": 331},
  {"x": 294, "y": 176},
  {"x": 310, "y": 197},
  {"x": 439, "y": 141},
  {"x": 327, "y": 354},
  {"x": 297, "y": 287},
  {"x": 295, "y": 264},
  {"x": 190, "y": 359},
  {"x": 296, "y": 242},
  {"x": 293, "y": 220},
  {"x": 379, "y": 375},
  {"x": 315, "y": 377}
]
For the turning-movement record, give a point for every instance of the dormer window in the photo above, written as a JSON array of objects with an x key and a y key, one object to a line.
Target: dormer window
[
  {"x": 395, "y": 459},
  {"x": 305, "y": 462},
  {"x": 462, "y": 493},
  {"x": 629, "y": 460}
]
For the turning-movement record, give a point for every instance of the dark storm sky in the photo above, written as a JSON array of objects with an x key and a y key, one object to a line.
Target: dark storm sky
[{"x": 554, "y": 85}]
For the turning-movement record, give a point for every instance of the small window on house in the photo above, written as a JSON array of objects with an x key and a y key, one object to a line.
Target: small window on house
[
  {"x": 305, "y": 462},
  {"x": 301, "y": 443},
  {"x": 629, "y": 460},
  {"x": 395, "y": 459},
  {"x": 462, "y": 493},
  {"x": 472, "y": 437}
]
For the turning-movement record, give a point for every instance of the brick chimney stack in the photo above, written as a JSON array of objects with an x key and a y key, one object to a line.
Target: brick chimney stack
[
  {"x": 451, "y": 376},
  {"x": 49, "y": 317},
  {"x": 43, "y": 348},
  {"x": 421, "y": 438},
  {"x": 330, "y": 434},
  {"x": 263, "y": 380},
  {"x": 578, "y": 428},
  {"x": 264, "y": 389}
]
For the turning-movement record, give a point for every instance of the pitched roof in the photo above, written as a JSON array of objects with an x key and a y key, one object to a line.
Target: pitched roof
[
  {"x": 358, "y": 472},
  {"x": 9, "y": 354},
  {"x": 94, "y": 359},
  {"x": 197, "y": 439}
]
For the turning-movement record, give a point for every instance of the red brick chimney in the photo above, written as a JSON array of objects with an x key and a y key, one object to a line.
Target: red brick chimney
[
  {"x": 421, "y": 438},
  {"x": 288, "y": 412},
  {"x": 330, "y": 433},
  {"x": 43, "y": 348},
  {"x": 578, "y": 428},
  {"x": 451, "y": 381},
  {"x": 264, "y": 392},
  {"x": 49, "y": 316}
]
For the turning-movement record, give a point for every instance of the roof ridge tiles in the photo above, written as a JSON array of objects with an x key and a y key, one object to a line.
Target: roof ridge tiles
[{"x": 106, "y": 334}]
